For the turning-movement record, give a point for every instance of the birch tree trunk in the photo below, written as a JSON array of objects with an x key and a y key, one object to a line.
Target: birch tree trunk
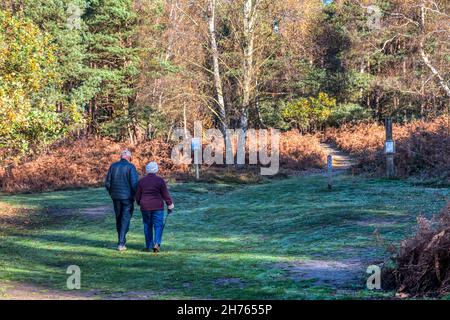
[
  {"x": 434, "y": 71},
  {"x": 216, "y": 70},
  {"x": 249, "y": 21},
  {"x": 425, "y": 57}
]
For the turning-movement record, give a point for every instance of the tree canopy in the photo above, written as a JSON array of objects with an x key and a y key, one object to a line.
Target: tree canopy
[{"x": 135, "y": 69}]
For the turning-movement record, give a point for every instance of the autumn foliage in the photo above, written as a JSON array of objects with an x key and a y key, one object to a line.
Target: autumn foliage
[
  {"x": 84, "y": 162},
  {"x": 422, "y": 148},
  {"x": 79, "y": 164},
  {"x": 299, "y": 151}
]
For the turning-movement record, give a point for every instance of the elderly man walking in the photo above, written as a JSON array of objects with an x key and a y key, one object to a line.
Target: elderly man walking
[{"x": 121, "y": 183}]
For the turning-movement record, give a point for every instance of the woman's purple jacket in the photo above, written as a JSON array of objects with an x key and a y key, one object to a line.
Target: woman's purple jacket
[{"x": 151, "y": 191}]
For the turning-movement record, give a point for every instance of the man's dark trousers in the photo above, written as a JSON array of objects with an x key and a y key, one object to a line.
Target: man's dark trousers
[{"x": 124, "y": 211}]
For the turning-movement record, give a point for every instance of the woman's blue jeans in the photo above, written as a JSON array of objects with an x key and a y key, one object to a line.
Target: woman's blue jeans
[{"x": 153, "y": 221}]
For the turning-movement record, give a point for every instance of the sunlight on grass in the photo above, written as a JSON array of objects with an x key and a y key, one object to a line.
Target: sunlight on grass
[{"x": 223, "y": 241}]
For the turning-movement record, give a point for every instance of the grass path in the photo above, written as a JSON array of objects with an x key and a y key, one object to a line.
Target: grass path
[{"x": 287, "y": 239}]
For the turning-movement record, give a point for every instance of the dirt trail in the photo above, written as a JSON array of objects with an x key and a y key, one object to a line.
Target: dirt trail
[
  {"x": 340, "y": 274},
  {"x": 20, "y": 291},
  {"x": 341, "y": 160}
]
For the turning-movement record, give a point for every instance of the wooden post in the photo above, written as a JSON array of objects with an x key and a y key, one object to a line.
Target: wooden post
[
  {"x": 330, "y": 171},
  {"x": 197, "y": 172},
  {"x": 388, "y": 125},
  {"x": 389, "y": 150},
  {"x": 197, "y": 147}
]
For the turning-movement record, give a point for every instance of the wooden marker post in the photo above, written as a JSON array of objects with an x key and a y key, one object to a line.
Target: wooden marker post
[
  {"x": 197, "y": 148},
  {"x": 330, "y": 171},
  {"x": 389, "y": 150}
]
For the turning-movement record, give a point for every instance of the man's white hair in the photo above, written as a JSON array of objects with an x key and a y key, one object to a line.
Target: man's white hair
[{"x": 125, "y": 154}]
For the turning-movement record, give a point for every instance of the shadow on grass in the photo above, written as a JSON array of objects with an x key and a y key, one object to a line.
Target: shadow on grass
[{"x": 211, "y": 238}]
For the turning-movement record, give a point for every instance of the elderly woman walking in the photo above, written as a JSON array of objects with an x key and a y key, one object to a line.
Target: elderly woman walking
[{"x": 150, "y": 196}]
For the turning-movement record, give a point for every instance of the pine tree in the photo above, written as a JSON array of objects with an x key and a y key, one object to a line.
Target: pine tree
[
  {"x": 62, "y": 20},
  {"x": 113, "y": 61}
]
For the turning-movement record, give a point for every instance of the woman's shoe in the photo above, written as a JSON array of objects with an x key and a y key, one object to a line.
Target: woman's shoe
[{"x": 156, "y": 248}]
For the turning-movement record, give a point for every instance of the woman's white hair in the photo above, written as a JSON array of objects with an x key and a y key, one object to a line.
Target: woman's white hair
[{"x": 151, "y": 167}]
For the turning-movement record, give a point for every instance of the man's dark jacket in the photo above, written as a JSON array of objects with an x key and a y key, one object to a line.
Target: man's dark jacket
[{"x": 121, "y": 181}]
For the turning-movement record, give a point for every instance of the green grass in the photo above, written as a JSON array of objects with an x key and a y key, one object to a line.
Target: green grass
[{"x": 219, "y": 232}]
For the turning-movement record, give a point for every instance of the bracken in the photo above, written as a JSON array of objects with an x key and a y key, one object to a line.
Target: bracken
[
  {"x": 422, "y": 263},
  {"x": 84, "y": 162},
  {"x": 422, "y": 147}
]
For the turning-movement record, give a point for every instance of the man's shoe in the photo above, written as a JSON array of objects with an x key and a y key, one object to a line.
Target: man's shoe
[
  {"x": 121, "y": 248},
  {"x": 156, "y": 248}
]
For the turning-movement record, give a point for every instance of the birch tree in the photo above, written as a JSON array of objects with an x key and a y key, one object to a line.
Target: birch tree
[
  {"x": 216, "y": 68},
  {"x": 437, "y": 13},
  {"x": 250, "y": 15}
]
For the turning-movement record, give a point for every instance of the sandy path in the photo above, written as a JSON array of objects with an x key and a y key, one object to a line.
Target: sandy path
[
  {"x": 341, "y": 160},
  {"x": 25, "y": 291}
]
